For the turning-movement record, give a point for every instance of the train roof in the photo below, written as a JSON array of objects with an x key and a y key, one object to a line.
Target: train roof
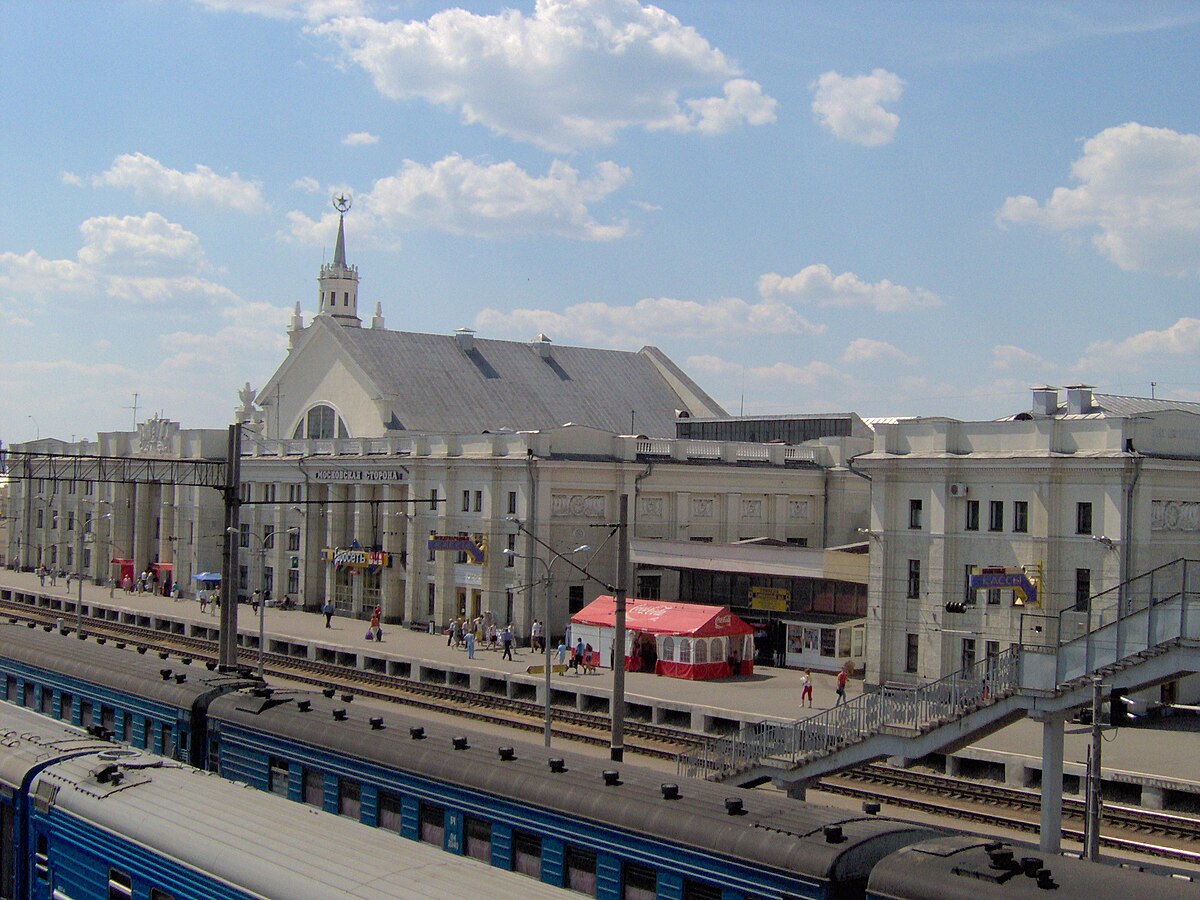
[
  {"x": 966, "y": 867},
  {"x": 771, "y": 829},
  {"x": 264, "y": 844},
  {"x": 29, "y": 740},
  {"x": 119, "y": 669}
]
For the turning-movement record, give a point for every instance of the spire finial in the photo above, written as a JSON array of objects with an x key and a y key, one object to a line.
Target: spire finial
[{"x": 341, "y": 203}]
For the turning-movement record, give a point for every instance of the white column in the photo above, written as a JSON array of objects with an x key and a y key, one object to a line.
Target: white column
[{"x": 1052, "y": 782}]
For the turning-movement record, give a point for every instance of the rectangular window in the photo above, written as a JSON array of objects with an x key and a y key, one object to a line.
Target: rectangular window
[
  {"x": 914, "y": 579},
  {"x": 912, "y": 644},
  {"x": 477, "y": 835},
  {"x": 638, "y": 882},
  {"x": 968, "y": 592},
  {"x": 87, "y": 523},
  {"x": 996, "y": 515},
  {"x": 512, "y": 503},
  {"x": 314, "y": 788},
  {"x": 277, "y": 776},
  {"x": 85, "y": 713},
  {"x": 293, "y": 539},
  {"x": 168, "y": 740},
  {"x": 349, "y": 799},
  {"x": 433, "y": 824},
  {"x": 244, "y": 534},
  {"x": 1083, "y": 518},
  {"x": 968, "y": 652},
  {"x": 527, "y": 853},
  {"x": 972, "y": 523},
  {"x": 580, "y": 868},
  {"x": 432, "y": 552},
  {"x": 574, "y": 598},
  {"x": 160, "y": 894},
  {"x": 120, "y": 885},
  {"x": 293, "y": 581},
  {"x": 88, "y": 488},
  {"x": 433, "y": 500},
  {"x": 40, "y": 522},
  {"x": 243, "y": 578},
  {"x": 510, "y": 559},
  {"x": 430, "y": 599},
  {"x": 47, "y": 702},
  {"x": 71, "y": 521},
  {"x": 1021, "y": 516},
  {"x": 993, "y": 597},
  {"x": 41, "y": 858},
  {"x": 992, "y": 649},
  {"x": 64, "y": 706},
  {"x": 1083, "y": 588},
  {"x": 389, "y": 812},
  {"x": 479, "y": 501},
  {"x": 914, "y": 513},
  {"x": 466, "y": 501}
]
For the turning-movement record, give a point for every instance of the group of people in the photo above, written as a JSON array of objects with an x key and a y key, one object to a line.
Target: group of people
[
  {"x": 806, "y": 686},
  {"x": 480, "y": 632}
]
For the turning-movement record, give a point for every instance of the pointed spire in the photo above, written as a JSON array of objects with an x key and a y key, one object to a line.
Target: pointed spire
[
  {"x": 339, "y": 250},
  {"x": 338, "y": 284}
]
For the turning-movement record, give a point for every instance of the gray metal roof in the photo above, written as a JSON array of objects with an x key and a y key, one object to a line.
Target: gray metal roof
[
  {"x": 432, "y": 384},
  {"x": 1116, "y": 406}
]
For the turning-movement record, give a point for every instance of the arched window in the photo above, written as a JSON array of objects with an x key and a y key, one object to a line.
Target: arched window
[
  {"x": 717, "y": 649},
  {"x": 321, "y": 423},
  {"x": 668, "y": 648},
  {"x": 685, "y": 650},
  {"x": 701, "y": 651}
]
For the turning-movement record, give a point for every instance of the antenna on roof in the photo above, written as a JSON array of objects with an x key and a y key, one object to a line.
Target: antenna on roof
[{"x": 1153, "y": 385}]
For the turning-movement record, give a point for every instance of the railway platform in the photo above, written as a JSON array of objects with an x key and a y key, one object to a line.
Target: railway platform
[{"x": 1155, "y": 768}]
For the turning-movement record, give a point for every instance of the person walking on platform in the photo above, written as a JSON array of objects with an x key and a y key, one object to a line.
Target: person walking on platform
[
  {"x": 842, "y": 678},
  {"x": 470, "y": 645},
  {"x": 506, "y": 640},
  {"x": 806, "y": 688},
  {"x": 328, "y": 610},
  {"x": 376, "y": 630},
  {"x": 203, "y": 601}
]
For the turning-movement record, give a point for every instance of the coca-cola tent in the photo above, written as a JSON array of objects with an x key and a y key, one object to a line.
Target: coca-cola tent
[{"x": 682, "y": 640}]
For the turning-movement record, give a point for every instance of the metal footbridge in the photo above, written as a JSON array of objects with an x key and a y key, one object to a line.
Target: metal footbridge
[{"x": 1141, "y": 633}]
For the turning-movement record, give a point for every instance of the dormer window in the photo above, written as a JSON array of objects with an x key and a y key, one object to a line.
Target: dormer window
[{"x": 321, "y": 423}]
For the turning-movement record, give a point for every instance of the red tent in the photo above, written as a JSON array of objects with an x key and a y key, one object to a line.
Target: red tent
[{"x": 682, "y": 640}]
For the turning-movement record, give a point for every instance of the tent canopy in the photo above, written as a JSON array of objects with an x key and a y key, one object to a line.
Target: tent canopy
[
  {"x": 663, "y": 617},
  {"x": 207, "y": 576}
]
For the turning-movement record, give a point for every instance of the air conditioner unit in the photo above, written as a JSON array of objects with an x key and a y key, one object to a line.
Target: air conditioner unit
[{"x": 958, "y": 489}]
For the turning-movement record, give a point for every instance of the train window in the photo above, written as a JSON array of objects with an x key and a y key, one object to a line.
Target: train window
[
  {"x": 41, "y": 858},
  {"x": 433, "y": 824},
  {"x": 160, "y": 894},
  {"x": 580, "y": 868},
  {"x": 694, "y": 890},
  {"x": 107, "y": 718},
  {"x": 527, "y": 854},
  {"x": 638, "y": 882},
  {"x": 85, "y": 713},
  {"x": 389, "y": 812},
  {"x": 314, "y": 788},
  {"x": 168, "y": 740},
  {"x": 64, "y": 706},
  {"x": 183, "y": 741},
  {"x": 47, "y": 702},
  {"x": 127, "y": 726},
  {"x": 277, "y": 776},
  {"x": 120, "y": 885},
  {"x": 349, "y": 803},
  {"x": 478, "y": 835},
  {"x": 27, "y": 695},
  {"x": 10, "y": 688}
]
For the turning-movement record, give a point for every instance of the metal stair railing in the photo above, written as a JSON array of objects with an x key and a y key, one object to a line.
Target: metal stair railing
[{"x": 910, "y": 708}]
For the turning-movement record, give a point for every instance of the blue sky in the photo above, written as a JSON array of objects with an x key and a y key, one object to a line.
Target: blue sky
[{"x": 893, "y": 208}]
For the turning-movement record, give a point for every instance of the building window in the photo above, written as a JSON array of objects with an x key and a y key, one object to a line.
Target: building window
[
  {"x": 914, "y": 513},
  {"x": 911, "y": 648},
  {"x": 512, "y": 503},
  {"x": 1083, "y": 588},
  {"x": 992, "y": 649},
  {"x": 244, "y": 534},
  {"x": 293, "y": 581},
  {"x": 293, "y": 539},
  {"x": 433, "y": 500},
  {"x": 349, "y": 799},
  {"x": 996, "y": 515},
  {"x": 968, "y": 592},
  {"x": 510, "y": 559},
  {"x": 40, "y": 523},
  {"x": 1021, "y": 516},
  {"x": 243, "y": 578},
  {"x": 466, "y": 501},
  {"x": 70, "y": 521},
  {"x": 277, "y": 776},
  {"x": 430, "y": 599},
  {"x": 432, "y": 552},
  {"x": 508, "y": 606},
  {"x": 479, "y": 501},
  {"x": 575, "y": 598},
  {"x": 914, "y": 579},
  {"x": 972, "y": 515},
  {"x": 1083, "y": 518},
  {"x": 968, "y": 653},
  {"x": 993, "y": 597}
]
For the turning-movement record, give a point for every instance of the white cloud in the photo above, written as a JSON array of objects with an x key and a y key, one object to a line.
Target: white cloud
[
  {"x": 871, "y": 350},
  {"x": 851, "y": 107},
  {"x": 787, "y": 373},
  {"x": 306, "y": 183},
  {"x": 816, "y": 284},
  {"x": 460, "y": 196},
  {"x": 1138, "y": 195},
  {"x": 1009, "y": 356},
  {"x": 360, "y": 139},
  {"x": 573, "y": 74},
  {"x": 1179, "y": 339},
  {"x": 311, "y": 10},
  {"x": 147, "y": 176},
  {"x": 644, "y": 322}
]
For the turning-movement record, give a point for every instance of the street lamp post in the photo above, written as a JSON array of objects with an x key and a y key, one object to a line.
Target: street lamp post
[
  {"x": 265, "y": 541},
  {"x": 548, "y": 569}
]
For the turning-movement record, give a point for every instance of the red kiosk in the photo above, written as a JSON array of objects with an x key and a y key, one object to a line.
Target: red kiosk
[
  {"x": 124, "y": 569},
  {"x": 680, "y": 640}
]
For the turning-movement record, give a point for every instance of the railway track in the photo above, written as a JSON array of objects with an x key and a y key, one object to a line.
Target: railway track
[{"x": 649, "y": 740}]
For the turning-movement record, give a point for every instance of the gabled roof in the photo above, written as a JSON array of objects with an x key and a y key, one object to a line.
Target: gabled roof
[
  {"x": 431, "y": 384},
  {"x": 662, "y": 617}
]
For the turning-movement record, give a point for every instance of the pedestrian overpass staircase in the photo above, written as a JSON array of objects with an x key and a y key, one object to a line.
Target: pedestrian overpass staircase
[{"x": 1141, "y": 633}]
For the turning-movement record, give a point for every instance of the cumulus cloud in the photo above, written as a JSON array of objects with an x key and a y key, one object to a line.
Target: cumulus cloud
[
  {"x": 573, "y": 74},
  {"x": 1179, "y": 339},
  {"x": 360, "y": 139},
  {"x": 776, "y": 373},
  {"x": 146, "y": 176},
  {"x": 459, "y": 196},
  {"x": 310, "y": 10},
  {"x": 306, "y": 183},
  {"x": 871, "y": 350},
  {"x": 851, "y": 107},
  {"x": 1009, "y": 356},
  {"x": 140, "y": 259},
  {"x": 638, "y": 324},
  {"x": 1138, "y": 196},
  {"x": 816, "y": 284}
]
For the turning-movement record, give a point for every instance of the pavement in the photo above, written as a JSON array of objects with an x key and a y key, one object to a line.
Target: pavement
[{"x": 769, "y": 691}]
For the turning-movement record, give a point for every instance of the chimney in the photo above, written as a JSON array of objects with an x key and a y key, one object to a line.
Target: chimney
[
  {"x": 1079, "y": 399},
  {"x": 1045, "y": 400},
  {"x": 465, "y": 338},
  {"x": 541, "y": 344}
]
